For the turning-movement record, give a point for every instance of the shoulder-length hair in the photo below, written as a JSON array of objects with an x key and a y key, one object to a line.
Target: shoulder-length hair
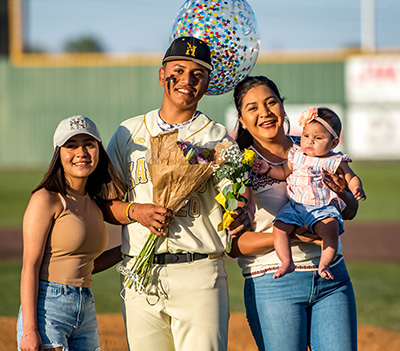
[{"x": 103, "y": 183}]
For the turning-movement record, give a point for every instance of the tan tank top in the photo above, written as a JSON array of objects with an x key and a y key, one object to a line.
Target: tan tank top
[{"x": 77, "y": 237}]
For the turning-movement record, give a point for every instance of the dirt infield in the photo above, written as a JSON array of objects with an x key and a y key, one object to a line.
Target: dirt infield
[
  {"x": 372, "y": 242},
  {"x": 112, "y": 335}
]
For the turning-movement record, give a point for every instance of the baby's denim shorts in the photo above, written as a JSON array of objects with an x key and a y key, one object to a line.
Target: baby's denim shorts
[
  {"x": 66, "y": 317},
  {"x": 299, "y": 214}
]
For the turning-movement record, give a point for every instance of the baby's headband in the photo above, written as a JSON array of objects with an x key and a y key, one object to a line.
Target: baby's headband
[{"x": 312, "y": 114}]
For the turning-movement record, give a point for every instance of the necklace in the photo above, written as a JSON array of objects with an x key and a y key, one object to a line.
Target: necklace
[
  {"x": 187, "y": 125},
  {"x": 164, "y": 126}
]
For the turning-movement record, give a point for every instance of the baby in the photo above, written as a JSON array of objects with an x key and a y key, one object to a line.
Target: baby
[{"x": 311, "y": 201}]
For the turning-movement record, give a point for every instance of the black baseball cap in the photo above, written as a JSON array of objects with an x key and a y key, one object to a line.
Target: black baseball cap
[{"x": 189, "y": 48}]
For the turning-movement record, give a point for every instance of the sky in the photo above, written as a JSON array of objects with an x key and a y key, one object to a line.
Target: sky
[{"x": 133, "y": 26}]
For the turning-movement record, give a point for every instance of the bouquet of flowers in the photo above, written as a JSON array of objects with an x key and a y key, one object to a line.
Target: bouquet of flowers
[
  {"x": 232, "y": 174},
  {"x": 177, "y": 170}
]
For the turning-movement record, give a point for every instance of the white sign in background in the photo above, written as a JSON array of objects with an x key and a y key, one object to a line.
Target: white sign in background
[
  {"x": 373, "y": 79},
  {"x": 373, "y": 132},
  {"x": 373, "y": 111}
]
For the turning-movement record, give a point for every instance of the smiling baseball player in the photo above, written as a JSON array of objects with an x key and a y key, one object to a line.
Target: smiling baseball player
[{"x": 189, "y": 309}]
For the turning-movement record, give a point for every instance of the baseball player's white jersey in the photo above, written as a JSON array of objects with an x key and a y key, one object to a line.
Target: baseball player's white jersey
[{"x": 194, "y": 226}]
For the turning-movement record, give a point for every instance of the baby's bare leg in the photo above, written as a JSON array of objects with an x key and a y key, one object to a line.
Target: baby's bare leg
[
  {"x": 328, "y": 230},
  {"x": 283, "y": 249}
]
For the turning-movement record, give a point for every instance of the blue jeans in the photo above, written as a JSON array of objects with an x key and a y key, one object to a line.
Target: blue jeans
[
  {"x": 302, "y": 309},
  {"x": 66, "y": 317}
]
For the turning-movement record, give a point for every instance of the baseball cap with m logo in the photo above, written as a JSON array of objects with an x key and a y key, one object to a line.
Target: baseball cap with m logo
[{"x": 189, "y": 48}]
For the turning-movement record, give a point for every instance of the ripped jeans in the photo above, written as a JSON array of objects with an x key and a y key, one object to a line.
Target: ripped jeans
[{"x": 66, "y": 317}]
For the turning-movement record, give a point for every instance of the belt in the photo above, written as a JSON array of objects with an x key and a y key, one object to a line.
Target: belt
[{"x": 167, "y": 258}]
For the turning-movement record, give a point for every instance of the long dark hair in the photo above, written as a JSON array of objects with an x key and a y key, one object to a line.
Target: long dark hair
[
  {"x": 102, "y": 184},
  {"x": 243, "y": 137}
]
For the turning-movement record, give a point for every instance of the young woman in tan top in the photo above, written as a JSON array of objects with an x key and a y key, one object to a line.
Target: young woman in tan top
[{"x": 63, "y": 233}]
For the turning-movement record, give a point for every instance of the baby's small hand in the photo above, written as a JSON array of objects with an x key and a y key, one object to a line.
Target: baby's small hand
[
  {"x": 260, "y": 166},
  {"x": 359, "y": 194},
  {"x": 256, "y": 166}
]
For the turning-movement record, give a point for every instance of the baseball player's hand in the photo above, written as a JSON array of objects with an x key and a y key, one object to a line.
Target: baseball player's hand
[
  {"x": 242, "y": 223},
  {"x": 157, "y": 219}
]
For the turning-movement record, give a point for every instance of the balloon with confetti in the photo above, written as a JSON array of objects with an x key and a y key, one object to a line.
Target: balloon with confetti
[{"x": 230, "y": 29}]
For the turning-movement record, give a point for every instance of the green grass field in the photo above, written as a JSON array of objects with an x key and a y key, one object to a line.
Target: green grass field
[{"x": 376, "y": 285}]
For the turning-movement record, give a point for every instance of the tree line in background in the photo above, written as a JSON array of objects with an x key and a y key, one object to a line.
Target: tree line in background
[{"x": 84, "y": 43}]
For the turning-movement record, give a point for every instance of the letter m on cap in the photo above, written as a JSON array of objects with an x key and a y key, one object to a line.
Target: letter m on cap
[{"x": 190, "y": 50}]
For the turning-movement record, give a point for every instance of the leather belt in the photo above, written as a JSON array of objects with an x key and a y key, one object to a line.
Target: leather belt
[{"x": 167, "y": 258}]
